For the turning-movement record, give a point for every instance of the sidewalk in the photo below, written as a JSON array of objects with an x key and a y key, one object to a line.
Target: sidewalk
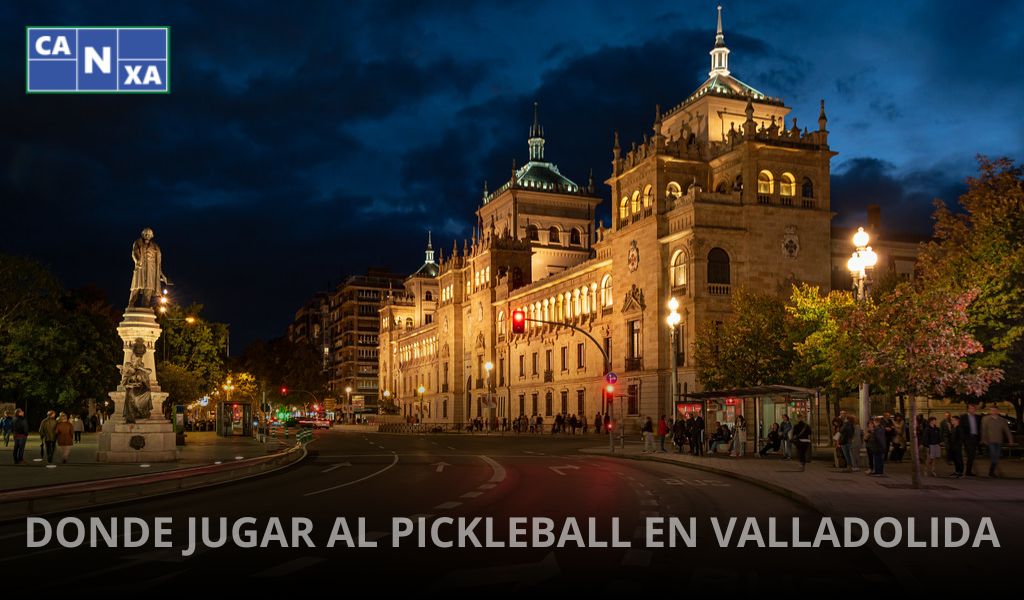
[
  {"x": 200, "y": 448},
  {"x": 835, "y": 492}
]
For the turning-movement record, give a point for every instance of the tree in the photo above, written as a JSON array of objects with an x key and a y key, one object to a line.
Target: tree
[
  {"x": 194, "y": 344},
  {"x": 752, "y": 348},
  {"x": 182, "y": 385},
  {"x": 912, "y": 341},
  {"x": 57, "y": 348},
  {"x": 982, "y": 249},
  {"x": 282, "y": 363},
  {"x": 813, "y": 329}
]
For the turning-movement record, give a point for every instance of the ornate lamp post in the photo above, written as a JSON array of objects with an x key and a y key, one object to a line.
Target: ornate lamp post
[
  {"x": 419, "y": 403},
  {"x": 673, "y": 320},
  {"x": 348, "y": 401},
  {"x": 861, "y": 262}
]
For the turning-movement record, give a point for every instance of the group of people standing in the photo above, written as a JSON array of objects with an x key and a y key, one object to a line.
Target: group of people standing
[
  {"x": 55, "y": 432},
  {"x": 887, "y": 438}
]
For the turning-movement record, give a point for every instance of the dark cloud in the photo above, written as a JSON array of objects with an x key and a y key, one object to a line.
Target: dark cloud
[{"x": 905, "y": 197}]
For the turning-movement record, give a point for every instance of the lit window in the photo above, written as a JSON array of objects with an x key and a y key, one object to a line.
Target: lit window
[
  {"x": 787, "y": 185},
  {"x": 606, "y": 291},
  {"x": 765, "y": 183},
  {"x": 678, "y": 269}
]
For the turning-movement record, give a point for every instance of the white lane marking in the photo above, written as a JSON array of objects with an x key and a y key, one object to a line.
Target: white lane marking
[
  {"x": 636, "y": 558},
  {"x": 333, "y": 467},
  {"x": 374, "y": 474},
  {"x": 440, "y": 466},
  {"x": 499, "y": 471},
  {"x": 451, "y": 447},
  {"x": 559, "y": 469},
  {"x": 291, "y": 566},
  {"x": 447, "y": 505},
  {"x": 486, "y": 486},
  {"x": 471, "y": 495}
]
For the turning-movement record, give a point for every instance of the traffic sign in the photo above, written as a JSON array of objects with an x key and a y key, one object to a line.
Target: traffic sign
[{"x": 611, "y": 377}]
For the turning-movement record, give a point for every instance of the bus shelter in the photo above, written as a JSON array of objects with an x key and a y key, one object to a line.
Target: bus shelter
[{"x": 760, "y": 406}]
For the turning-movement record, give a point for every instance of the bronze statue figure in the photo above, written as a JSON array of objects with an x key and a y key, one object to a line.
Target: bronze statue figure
[
  {"x": 138, "y": 402},
  {"x": 148, "y": 274}
]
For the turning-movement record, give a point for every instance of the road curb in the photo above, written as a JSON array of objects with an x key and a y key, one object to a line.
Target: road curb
[
  {"x": 777, "y": 489},
  {"x": 16, "y": 504}
]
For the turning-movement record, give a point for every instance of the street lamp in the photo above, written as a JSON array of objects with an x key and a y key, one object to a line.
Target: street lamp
[
  {"x": 387, "y": 401},
  {"x": 673, "y": 320},
  {"x": 348, "y": 401},
  {"x": 861, "y": 262},
  {"x": 420, "y": 391},
  {"x": 491, "y": 417}
]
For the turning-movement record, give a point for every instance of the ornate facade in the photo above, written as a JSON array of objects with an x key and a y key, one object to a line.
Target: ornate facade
[{"x": 721, "y": 195}]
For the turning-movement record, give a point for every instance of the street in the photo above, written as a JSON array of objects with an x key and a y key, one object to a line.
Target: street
[{"x": 380, "y": 476}]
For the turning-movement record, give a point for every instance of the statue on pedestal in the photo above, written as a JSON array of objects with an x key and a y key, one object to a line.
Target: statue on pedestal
[
  {"x": 148, "y": 273},
  {"x": 138, "y": 401}
]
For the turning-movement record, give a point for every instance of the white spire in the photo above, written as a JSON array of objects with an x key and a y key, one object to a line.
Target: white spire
[
  {"x": 430, "y": 248},
  {"x": 719, "y": 54},
  {"x": 536, "y": 140}
]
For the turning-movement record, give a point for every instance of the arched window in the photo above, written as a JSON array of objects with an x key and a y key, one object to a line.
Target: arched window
[
  {"x": 807, "y": 188},
  {"x": 553, "y": 236},
  {"x": 501, "y": 322},
  {"x": 677, "y": 272},
  {"x": 718, "y": 267},
  {"x": 428, "y": 296},
  {"x": 673, "y": 191},
  {"x": 648, "y": 200},
  {"x": 765, "y": 183},
  {"x": 624, "y": 208},
  {"x": 567, "y": 302},
  {"x": 574, "y": 236},
  {"x": 606, "y": 291},
  {"x": 787, "y": 185},
  {"x": 737, "y": 184},
  {"x": 408, "y": 323},
  {"x": 532, "y": 233},
  {"x": 721, "y": 189},
  {"x": 635, "y": 203}
]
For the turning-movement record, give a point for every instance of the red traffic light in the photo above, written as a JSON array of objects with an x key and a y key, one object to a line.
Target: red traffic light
[
  {"x": 316, "y": 407},
  {"x": 518, "y": 321},
  {"x": 284, "y": 391}
]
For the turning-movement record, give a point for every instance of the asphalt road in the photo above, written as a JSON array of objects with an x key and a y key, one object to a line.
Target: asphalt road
[{"x": 379, "y": 476}]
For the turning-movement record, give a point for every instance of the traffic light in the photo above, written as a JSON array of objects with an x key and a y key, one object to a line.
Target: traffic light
[
  {"x": 284, "y": 391},
  {"x": 518, "y": 321}
]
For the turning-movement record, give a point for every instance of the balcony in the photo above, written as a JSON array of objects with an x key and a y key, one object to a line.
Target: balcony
[
  {"x": 718, "y": 289},
  {"x": 634, "y": 364},
  {"x": 786, "y": 200},
  {"x": 549, "y": 376},
  {"x": 605, "y": 311},
  {"x": 807, "y": 202},
  {"x": 764, "y": 199}
]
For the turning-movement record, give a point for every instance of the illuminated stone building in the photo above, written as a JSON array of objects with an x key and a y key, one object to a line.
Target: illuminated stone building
[{"x": 722, "y": 194}]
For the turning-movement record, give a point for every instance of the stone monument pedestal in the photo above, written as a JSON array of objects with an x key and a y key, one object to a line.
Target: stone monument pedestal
[{"x": 150, "y": 439}]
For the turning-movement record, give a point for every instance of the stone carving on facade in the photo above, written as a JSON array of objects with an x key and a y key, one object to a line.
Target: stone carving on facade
[
  {"x": 790, "y": 242},
  {"x": 634, "y": 301},
  {"x": 633, "y": 258}
]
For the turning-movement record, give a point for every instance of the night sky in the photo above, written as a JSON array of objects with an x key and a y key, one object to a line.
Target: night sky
[{"x": 305, "y": 141}]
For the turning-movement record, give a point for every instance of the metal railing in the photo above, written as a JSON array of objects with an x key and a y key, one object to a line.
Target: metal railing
[{"x": 718, "y": 289}]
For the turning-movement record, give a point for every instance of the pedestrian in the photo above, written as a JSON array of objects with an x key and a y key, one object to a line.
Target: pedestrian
[
  {"x": 955, "y": 447},
  {"x": 876, "y": 446},
  {"x": 845, "y": 434},
  {"x": 899, "y": 440},
  {"x": 697, "y": 440},
  {"x": 857, "y": 443},
  {"x": 786, "y": 433},
  {"x": 597, "y": 424},
  {"x": 78, "y": 426},
  {"x": 662, "y": 434},
  {"x": 679, "y": 435},
  {"x": 802, "y": 439},
  {"x": 6, "y": 426},
  {"x": 994, "y": 433},
  {"x": 946, "y": 428},
  {"x": 739, "y": 438},
  {"x": 838, "y": 455},
  {"x": 773, "y": 443},
  {"x": 48, "y": 435},
  {"x": 932, "y": 443},
  {"x": 970, "y": 422},
  {"x": 648, "y": 433},
  {"x": 20, "y": 430},
  {"x": 65, "y": 434}
]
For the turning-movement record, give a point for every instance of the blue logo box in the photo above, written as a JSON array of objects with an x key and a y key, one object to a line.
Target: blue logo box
[{"x": 81, "y": 60}]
